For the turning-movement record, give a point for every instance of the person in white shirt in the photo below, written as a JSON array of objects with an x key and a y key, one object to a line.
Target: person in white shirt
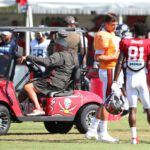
[{"x": 39, "y": 45}]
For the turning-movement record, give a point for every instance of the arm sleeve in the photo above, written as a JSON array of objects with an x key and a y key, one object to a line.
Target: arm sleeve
[{"x": 53, "y": 60}]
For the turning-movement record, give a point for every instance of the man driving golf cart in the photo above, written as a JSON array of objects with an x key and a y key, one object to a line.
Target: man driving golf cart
[{"x": 58, "y": 72}]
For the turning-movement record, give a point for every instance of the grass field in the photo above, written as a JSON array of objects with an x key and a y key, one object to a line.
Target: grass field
[{"x": 33, "y": 136}]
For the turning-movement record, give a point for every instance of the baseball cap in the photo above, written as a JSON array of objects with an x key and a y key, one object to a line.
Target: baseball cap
[
  {"x": 70, "y": 20},
  {"x": 6, "y": 33}
]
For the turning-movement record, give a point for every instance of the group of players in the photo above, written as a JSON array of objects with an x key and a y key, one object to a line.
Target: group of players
[
  {"x": 131, "y": 56},
  {"x": 113, "y": 54}
]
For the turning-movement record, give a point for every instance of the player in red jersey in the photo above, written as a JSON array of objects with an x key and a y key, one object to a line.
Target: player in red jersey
[{"x": 136, "y": 52}]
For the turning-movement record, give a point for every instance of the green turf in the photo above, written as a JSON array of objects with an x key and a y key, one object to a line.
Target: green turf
[{"x": 33, "y": 136}]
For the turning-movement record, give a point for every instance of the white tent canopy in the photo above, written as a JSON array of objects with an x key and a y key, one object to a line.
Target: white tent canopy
[{"x": 121, "y": 7}]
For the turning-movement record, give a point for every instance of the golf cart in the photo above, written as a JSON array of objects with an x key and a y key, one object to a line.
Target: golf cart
[{"x": 63, "y": 109}]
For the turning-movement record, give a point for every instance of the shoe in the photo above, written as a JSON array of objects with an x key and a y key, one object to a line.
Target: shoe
[
  {"x": 91, "y": 134},
  {"x": 107, "y": 138},
  {"x": 36, "y": 112},
  {"x": 135, "y": 140}
]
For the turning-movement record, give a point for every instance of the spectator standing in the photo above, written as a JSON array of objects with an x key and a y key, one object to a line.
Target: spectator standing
[
  {"x": 39, "y": 46},
  {"x": 7, "y": 44},
  {"x": 8, "y": 47},
  {"x": 75, "y": 40}
]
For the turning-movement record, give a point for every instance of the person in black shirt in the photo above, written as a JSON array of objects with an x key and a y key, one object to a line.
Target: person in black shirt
[{"x": 7, "y": 45}]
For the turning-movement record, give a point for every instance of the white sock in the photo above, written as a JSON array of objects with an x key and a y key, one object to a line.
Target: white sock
[
  {"x": 103, "y": 127},
  {"x": 95, "y": 122},
  {"x": 133, "y": 132},
  {"x": 99, "y": 126}
]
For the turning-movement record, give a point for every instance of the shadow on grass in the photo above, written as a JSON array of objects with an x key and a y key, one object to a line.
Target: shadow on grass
[
  {"x": 66, "y": 141},
  {"x": 9, "y": 134},
  {"x": 46, "y": 141},
  {"x": 144, "y": 142},
  {"x": 27, "y": 137}
]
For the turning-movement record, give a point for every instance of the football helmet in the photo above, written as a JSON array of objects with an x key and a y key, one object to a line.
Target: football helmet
[
  {"x": 122, "y": 30},
  {"x": 114, "y": 104}
]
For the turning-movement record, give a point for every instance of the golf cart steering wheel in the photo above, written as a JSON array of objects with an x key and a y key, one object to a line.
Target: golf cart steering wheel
[{"x": 33, "y": 67}]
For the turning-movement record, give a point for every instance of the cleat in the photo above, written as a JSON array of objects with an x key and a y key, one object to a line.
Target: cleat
[
  {"x": 107, "y": 138},
  {"x": 91, "y": 134},
  {"x": 135, "y": 140}
]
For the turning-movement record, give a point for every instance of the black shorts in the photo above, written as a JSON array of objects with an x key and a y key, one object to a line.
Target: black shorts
[{"x": 43, "y": 86}]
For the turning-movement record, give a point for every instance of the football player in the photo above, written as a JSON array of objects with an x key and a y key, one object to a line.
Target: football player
[
  {"x": 122, "y": 31},
  {"x": 39, "y": 47},
  {"x": 106, "y": 53},
  {"x": 136, "y": 52}
]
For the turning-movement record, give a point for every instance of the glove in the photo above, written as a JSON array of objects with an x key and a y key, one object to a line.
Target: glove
[{"x": 115, "y": 89}]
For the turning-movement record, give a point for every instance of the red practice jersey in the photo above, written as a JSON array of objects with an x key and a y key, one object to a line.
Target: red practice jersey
[{"x": 136, "y": 51}]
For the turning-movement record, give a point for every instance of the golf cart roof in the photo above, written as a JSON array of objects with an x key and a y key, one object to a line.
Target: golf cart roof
[{"x": 37, "y": 29}]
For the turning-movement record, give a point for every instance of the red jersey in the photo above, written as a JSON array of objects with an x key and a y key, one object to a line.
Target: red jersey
[{"x": 136, "y": 51}]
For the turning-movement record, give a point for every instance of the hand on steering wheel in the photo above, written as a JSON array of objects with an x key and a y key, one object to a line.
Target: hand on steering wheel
[{"x": 33, "y": 66}]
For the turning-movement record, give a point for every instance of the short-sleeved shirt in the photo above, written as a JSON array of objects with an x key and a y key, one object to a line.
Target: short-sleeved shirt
[
  {"x": 39, "y": 49},
  {"x": 136, "y": 51},
  {"x": 105, "y": 43},
  {"x": 8, "y": 48}
]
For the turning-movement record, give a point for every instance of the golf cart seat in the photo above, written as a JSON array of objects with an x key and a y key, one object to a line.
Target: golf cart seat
[{"x": 68, "y": 90}]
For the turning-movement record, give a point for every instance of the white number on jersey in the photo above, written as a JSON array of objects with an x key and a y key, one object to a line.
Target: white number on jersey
[{"x": 135, "y": 58}]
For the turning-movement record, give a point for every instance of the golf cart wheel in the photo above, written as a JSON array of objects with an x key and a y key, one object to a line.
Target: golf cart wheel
[
  {"x": 84, "y": 116},
  {"x": 58, "y": 126},
  {"x": 4, "y": 120}
]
